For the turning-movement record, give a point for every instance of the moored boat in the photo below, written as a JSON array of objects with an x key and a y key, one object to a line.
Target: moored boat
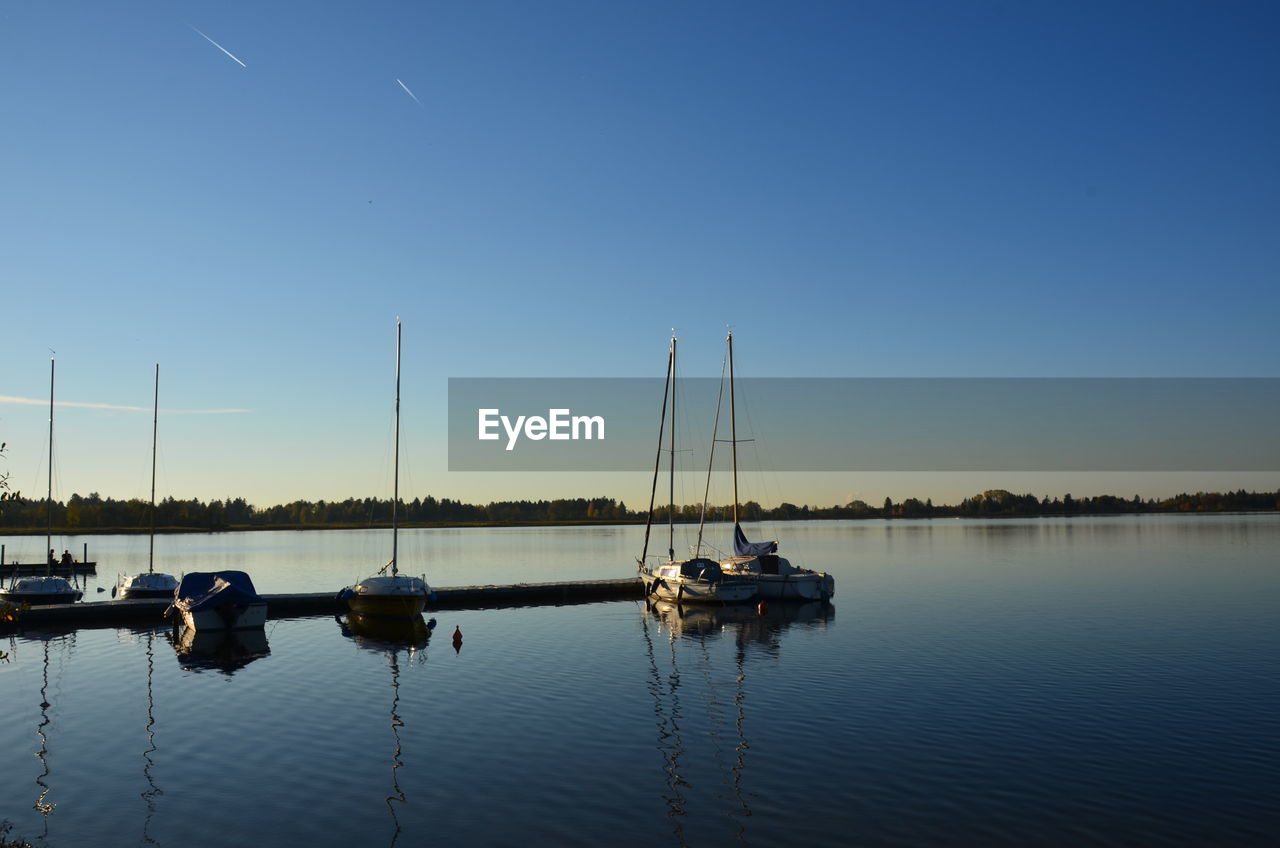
[
  {"x": 217, "y": 600},
  {"x": 776, "y": 578},
  {"x": 388, "y": 595},
  {"x": 697, "y": 579},
  {"x": 153, "y": 584},
  {"x": 149, "y": 585},
  {"x": 48, "y": 589},
  {"x": 40, "y": 591},
  {"x": 393, "y": 595}
]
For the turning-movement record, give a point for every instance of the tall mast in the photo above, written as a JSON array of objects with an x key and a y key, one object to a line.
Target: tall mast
[
  {"x": 733, "y": 431},
  {"x": 155, "y": 419},
  {"x": 657, "y": 459},
  {"x": 48, "y": 538},
  {"x": 395, "y": 499},
  {"x": 671, "y": 495},
  {"x": 711, "y": 460}
]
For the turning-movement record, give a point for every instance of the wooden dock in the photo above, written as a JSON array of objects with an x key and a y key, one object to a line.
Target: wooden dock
[
  {"x": 150, "y": 612},
  {"x": 39, "y": 569}
]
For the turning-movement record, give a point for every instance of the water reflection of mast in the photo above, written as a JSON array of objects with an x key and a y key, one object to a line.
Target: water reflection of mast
[
  {"x": 390, "y": 636},
  {"x": 714, "y": 713},
  {"x": 149, "y": 796},
  {"x": 670, "y": 742},
  {"x": 739, "y": 724},
  {"x": 753, "y": 631},
  {"x": 41, "y": 806},
  {"x": 397, "y": 796}
]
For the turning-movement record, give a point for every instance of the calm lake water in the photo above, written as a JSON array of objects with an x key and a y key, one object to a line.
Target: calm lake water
[{"x": 1108, "y": 681}]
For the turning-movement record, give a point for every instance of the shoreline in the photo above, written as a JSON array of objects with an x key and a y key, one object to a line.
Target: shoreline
[{"x": 453, "y": 525}]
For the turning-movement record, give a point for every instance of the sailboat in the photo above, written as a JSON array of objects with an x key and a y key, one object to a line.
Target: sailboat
[
  {"x": 47, "y": 589},
  {"x": 151, "y": 584},
  {"x": 777, "y": 578},
  {"x": 393, "y": 595},
  {"x": 698, "y": 579}
]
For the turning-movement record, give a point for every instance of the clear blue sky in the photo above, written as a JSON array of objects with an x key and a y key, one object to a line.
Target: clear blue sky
[{"x": 249, "y": 194}]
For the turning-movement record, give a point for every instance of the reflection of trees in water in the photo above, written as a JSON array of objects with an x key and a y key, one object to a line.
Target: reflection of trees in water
[{"x": 700, "y": 626}]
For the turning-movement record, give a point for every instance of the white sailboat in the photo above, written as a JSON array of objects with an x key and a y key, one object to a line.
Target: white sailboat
[
  {"x": 777, "y": 578},
  {"x": 46, "y": 589},
  {"x": 151, "y": 584},
  {"x": 392, "y": 595},
  {"x": 698, "y": 579}
]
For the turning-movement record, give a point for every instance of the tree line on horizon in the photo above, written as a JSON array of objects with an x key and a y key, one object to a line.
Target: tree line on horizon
[{"x": 96, "y": 512}]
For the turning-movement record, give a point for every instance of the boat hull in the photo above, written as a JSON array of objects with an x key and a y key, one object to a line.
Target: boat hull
[
  {"x": 388, "y": 606},
  {"x": 151, "y": 585},
  {"x": 664, "y": 585},
  {"x": 388, "y": 596},
  {"x": 37, "y": 600},
  {"x": 802, "y": 587},
  {"x": 40, "y": 591},
  {"x": 779, "y": 580},
  {"x": 688, "y": 592},
  {"x": 135, "y": 594},
  {"x": 229, "y": 617}
]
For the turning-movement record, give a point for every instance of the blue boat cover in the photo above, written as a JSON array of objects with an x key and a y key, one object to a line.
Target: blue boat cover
[
  {"x": 201, "y": 590},
  {"x": 701, "y": 567},
  {"x": 741, "y": 547}
]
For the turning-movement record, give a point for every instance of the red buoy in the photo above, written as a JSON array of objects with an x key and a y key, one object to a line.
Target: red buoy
[
  {"x": 457, "y": 634},
  {"x": 762, "y": 608}
]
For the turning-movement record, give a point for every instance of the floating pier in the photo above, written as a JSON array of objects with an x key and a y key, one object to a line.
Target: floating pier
[
  {"x": 39, "y": 569},
  {"x": 151, "y": 611}
]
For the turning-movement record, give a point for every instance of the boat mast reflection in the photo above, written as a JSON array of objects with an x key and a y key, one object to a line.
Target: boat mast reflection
[
  {"x": 42, "y": 804},
  {"x": 666, "y": 710},
  {"x": 391, "y": 637},
  {"x": 153, "y": 792},
  {"x": 752, "y": 629}
]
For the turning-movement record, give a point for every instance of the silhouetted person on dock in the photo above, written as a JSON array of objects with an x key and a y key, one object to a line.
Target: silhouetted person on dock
[{"x": 66, "y": 558}]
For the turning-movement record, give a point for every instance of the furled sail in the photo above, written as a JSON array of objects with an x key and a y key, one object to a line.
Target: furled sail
[{"x": 741, "y": 547}]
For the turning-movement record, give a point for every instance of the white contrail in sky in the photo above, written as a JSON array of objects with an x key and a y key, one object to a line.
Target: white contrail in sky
[
  {"x": 220, "y": 47},
  {"x": 410, "y": 93},
  {"x": 82, "y": 405}
]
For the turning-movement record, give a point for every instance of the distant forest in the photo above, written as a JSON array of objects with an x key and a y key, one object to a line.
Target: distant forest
[{"x": 93, "y": 512}]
